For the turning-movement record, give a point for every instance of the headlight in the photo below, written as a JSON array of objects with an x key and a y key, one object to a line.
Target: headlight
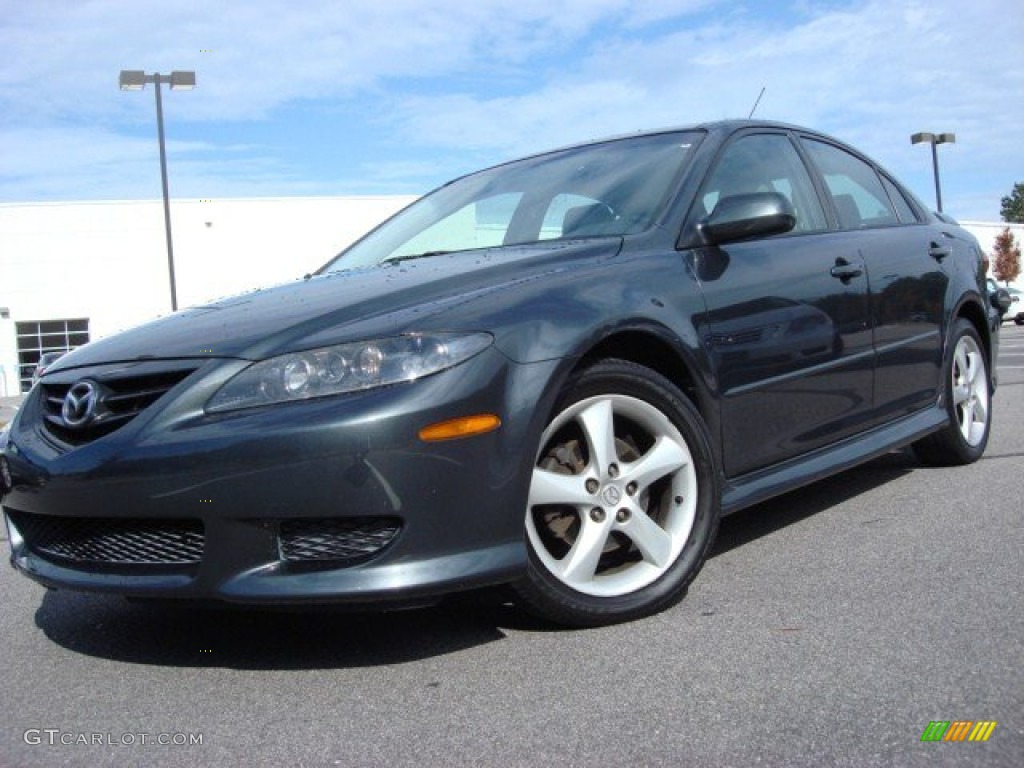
[{"x": 345, "y": 368}]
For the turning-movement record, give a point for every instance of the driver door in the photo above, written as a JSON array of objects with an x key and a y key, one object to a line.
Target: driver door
[{"x": 787, "y": 320}]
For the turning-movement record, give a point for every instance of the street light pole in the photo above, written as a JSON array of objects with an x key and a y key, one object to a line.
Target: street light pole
[
  {"x": 167, "y": 196},
  {"x": 135, "y": 80},
  {"x": 934, "y": 139}
]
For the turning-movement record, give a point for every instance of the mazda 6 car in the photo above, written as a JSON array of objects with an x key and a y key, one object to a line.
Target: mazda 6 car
[{"x": 555, "y": 374}]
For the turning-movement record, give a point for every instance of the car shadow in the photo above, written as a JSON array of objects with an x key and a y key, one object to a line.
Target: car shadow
[
  {"x": 187, "y": 634},
  {"x": 190, "y": 634}
]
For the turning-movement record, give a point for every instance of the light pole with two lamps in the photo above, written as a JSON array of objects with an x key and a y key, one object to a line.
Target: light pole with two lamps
[
  {"x": 933, "y": 139},
  {"x": 135, "y": 80}
]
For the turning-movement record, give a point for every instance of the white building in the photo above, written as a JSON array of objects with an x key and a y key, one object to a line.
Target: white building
[{"x": 73, "y": 272}]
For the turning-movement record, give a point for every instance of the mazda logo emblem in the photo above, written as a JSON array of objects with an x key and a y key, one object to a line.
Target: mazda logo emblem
[
  {"x": 611, "y": 495},
  {"x": 80, "y": 404}
]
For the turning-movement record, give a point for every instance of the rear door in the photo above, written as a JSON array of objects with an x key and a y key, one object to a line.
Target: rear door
[{"x": 906, "y": 279}]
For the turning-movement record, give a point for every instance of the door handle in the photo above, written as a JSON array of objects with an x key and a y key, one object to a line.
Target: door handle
[
  {"x": 939, "y": 252},
  {"x": 846, "y": 271}
]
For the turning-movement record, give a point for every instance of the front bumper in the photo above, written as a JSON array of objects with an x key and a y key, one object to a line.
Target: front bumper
[{"x": 265, "y": 494}]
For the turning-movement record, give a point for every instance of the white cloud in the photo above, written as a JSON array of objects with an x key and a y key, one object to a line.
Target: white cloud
[
  {"x": 457, "y": 80},
  {"x": 42, "y": 165},
  {"x": 870, "y": 72},
  {"x": 256, "y": 56}
]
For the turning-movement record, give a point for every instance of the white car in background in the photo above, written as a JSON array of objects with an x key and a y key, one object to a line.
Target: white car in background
[{"x": 1016, "y": 310}]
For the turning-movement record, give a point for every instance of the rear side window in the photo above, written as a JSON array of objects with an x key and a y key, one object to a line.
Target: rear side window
[
  {"x": 857, "y": 193},
  {"x": 903, "y": 208},
  {"x": 570, "y": 215}
]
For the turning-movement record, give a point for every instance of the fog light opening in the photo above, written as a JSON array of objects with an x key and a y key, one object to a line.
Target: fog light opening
[{"x": 466, "y": 426}]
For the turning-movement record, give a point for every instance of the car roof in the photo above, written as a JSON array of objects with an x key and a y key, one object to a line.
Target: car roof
[{"x": 719, "y": 128}]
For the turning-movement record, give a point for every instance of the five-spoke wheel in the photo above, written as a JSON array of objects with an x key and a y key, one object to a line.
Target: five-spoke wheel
[
  {"x": 970, "y": 390},
  {"x": 622, "y": 504},
  {"x": 968, "y": 401}
]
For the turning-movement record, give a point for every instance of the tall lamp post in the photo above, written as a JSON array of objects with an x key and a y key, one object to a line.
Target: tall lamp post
[
  {"x": 135, "y": 80},
  {"x": 933, "y": 139}
]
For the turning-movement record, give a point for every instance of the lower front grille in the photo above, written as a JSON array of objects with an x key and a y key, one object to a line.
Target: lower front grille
[
  {"x": 335, "y": 540},
  {"x": 90, "y": 541}
]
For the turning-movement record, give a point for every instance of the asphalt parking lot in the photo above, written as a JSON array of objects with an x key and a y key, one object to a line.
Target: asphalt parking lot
[{"x": 830, "y": 627}]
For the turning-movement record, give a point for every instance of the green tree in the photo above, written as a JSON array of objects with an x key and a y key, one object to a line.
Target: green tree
[
  {"x": 1006, "y": 257},
  {"x": 1012, "y": 209}
]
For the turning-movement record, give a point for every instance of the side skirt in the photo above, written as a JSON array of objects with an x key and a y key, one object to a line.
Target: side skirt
[{"x": 755, "y": 487}]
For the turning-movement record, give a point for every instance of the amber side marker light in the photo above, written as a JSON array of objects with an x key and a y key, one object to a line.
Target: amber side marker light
[{"x": 466, "y": 426}]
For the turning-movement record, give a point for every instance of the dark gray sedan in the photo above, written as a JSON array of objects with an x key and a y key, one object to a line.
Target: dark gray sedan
[{"x": 555, "y": 374}]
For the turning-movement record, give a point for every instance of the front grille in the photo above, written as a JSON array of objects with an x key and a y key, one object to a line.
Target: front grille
[
  {"x": 335, "y": 540},
  {"x": 90, "y": 541},
  {"x": 120, "y": 398}
]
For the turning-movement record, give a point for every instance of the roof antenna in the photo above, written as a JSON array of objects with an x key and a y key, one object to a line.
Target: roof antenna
[{"x": 753, "y": 108}]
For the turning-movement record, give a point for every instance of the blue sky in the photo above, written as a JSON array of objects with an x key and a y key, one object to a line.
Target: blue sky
[{"x": 303, "y": 97}]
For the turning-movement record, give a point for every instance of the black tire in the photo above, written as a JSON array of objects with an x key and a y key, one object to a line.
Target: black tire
[
  {"x": 968, "y": 398},
  {"x": 624, "y": 502}
]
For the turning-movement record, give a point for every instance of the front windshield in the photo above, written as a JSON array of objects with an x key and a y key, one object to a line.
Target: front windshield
[{"x": 610, "y": 189}]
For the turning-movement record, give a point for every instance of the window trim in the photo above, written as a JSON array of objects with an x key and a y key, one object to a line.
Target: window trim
[{"x": 910, "y": 200}]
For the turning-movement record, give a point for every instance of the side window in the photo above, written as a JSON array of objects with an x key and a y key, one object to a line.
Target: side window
[
  {"x": 765, "y": 162},
  {"x": 903, "y": 209},
  {"x": 857, "y": 193},
  {"x": 572, "y": 215}
]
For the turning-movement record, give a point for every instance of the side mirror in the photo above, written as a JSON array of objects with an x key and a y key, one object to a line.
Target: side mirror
[
  {"x": 744, "y": 217},
  {"x": 1001, "y": 300}
]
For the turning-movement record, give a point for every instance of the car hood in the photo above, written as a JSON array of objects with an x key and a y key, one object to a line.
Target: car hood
[{"x": 336, "y": 307}]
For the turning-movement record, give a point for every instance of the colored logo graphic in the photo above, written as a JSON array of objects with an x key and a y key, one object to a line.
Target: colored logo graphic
[{"x": 958, "y": 730}]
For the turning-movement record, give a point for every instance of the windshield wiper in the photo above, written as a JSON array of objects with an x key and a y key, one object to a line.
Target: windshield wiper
[{"x": 411, "y": 256}]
